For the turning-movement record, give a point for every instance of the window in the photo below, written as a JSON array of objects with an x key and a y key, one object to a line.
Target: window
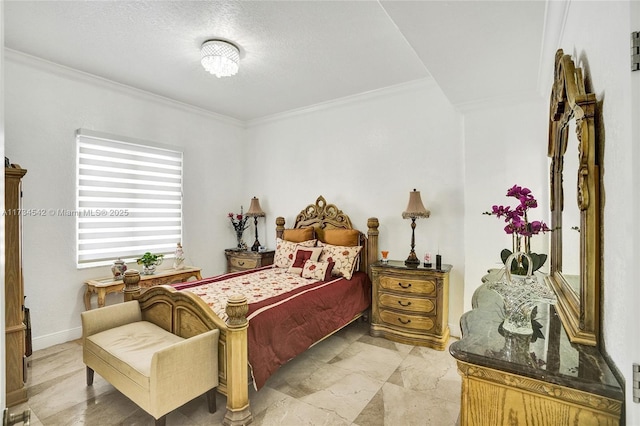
[{"x": 129, "y": 199}]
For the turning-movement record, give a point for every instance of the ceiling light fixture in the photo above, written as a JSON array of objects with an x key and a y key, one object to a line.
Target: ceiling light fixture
[{"x": 220, "y": 58}]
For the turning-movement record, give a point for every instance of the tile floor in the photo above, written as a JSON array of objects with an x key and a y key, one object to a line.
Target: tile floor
[{"x": 349, "y": 379}]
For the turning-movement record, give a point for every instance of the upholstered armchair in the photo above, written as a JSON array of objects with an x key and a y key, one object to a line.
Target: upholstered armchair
[{"x": 153, "y": 367}]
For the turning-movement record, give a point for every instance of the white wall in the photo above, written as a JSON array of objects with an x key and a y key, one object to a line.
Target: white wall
[
  {"x": 44, "y": 105},
  {"x": 504, "y": 145},
  {"x": 597, "y": 35},
  {"x": 365, "y": 154}
]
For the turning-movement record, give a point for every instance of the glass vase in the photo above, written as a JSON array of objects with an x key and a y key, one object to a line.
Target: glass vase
[
  {"x": 521, "y": 245},
  {"x": 241, "y": 244},
  {"x": 149, "y": 269}
]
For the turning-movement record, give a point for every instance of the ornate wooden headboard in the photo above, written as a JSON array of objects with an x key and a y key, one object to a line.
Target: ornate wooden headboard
[{"x": 323, "y": 215}]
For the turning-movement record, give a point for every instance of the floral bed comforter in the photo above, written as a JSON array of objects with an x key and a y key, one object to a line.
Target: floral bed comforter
[{"x": 287, "y": 313}]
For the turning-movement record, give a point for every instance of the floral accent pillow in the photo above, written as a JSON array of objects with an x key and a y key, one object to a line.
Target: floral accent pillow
[
  {"x": 285, "y": 251},
  {"x": 345, "y": 259},
  {"x": 301, "y": 255},
  {"x": 317, "y": 270}
]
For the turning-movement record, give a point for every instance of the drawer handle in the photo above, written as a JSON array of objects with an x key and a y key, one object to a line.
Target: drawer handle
[
  {"x": 404, "y": 286},
  {"x": 240, "y": 263},
  {"x": 405, "y": 304},
  {"x": 405, "y": 322}
]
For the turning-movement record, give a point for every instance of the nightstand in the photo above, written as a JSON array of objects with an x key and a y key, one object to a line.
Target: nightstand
[
  {"x": 242, "y": 260},
  {"x": 410, "y": 304}
]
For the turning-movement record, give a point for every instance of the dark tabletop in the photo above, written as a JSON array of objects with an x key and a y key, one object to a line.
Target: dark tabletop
[{"x": 546, "y": 355}]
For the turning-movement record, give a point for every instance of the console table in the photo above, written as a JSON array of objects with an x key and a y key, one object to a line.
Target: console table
[
  {"x": 106, "y": 285},
  {"x": 529, "y": 380}
]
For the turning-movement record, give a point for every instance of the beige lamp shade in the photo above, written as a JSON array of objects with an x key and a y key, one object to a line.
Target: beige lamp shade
[
  {"x": 415, "y": 208},
  {"x": 254, "y": 209}
]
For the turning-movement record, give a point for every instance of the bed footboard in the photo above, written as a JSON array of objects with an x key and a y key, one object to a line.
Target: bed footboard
[{"x": 186, "y": 315}]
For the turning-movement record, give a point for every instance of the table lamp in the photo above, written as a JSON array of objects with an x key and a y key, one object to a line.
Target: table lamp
[
  {"x": 255, "y": 211},
  {"x": 415, "y": 209}
]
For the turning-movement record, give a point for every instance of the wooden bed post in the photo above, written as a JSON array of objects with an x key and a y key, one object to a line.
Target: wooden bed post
[
  {"x": 372, "y": 242},
  {"x": 238, "y": 411},
  {"x": 131, "y": 280},
  {"x": 279, "y": 227}
]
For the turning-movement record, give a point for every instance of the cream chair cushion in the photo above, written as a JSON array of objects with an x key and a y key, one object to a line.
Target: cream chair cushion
[{"x": 156, "y": 369}]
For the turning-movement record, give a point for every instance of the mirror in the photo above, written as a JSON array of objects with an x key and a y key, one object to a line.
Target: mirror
[
  {"x": 575, "y": 203},
  {"x": 571, "y": 214}
]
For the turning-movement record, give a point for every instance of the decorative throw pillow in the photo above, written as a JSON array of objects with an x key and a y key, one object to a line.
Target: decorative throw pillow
[
  {"x": 298, "y": 235},
  {"x": 341, "y": 237},
  {"x": 285, "y": 250},
  {"x": 345, "y": 259},
  {"x": 317, "y": 270},
  {"x": 301, "y": 255}
]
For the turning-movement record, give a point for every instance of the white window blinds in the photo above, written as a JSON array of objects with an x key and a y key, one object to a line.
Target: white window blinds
[{"x": 129, "y": 199}]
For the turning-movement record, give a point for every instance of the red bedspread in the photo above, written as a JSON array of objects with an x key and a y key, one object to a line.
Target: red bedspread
[{"x": 283, "y": 326}]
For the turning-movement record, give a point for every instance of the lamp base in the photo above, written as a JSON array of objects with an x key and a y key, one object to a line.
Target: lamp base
[
  {"x": 255, "y": 246},
  {"x": 412, "y": 260}
]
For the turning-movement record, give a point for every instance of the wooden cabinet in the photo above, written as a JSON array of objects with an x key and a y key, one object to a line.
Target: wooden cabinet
[
  {"x": 494, "y": 397},
  {"x": 242, "y": 260},
  {"x": 15, "y": 329},
  {"x": 410, "y": 304}
]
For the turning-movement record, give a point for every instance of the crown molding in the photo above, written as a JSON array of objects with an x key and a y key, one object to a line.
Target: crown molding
[
  {"x": 499, "y": 102},
  {"x": 21, "y": 58},
  {"x": 410, "y": 86}
]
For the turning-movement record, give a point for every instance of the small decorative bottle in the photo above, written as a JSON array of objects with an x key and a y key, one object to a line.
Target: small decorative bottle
[
  {"x": 178, "y": 262},
  {"x": 427, "y": 260}
]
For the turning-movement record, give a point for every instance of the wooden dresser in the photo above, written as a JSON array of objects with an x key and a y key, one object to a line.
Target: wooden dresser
[
  {"x": 539, "y": 379},
  {"x": 241, "y": 260},
  {"x": 410, "y": 304},
  {"x": 15, "y": 328}
]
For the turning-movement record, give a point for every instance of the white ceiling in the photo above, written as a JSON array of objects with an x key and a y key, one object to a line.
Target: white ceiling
[{"x": 294, "y": 54}]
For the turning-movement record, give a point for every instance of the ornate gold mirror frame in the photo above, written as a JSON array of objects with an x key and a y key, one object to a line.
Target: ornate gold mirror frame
[{"x": 579, "y": 304}]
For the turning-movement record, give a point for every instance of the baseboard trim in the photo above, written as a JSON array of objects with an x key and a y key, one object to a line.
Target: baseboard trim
[{"x": 43, "y": 342}]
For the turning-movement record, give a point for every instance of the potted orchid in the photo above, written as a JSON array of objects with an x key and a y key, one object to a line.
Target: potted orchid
[{"x": 521, "y": 229}]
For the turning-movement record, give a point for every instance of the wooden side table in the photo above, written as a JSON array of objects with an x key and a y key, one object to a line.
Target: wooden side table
[
  {"x": 242, "y": 260},
  {"x": 410, "y": 304},
  {"x": 104, "y": 286}
]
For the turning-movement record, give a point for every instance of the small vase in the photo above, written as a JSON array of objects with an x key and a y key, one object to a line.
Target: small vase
[
  {"x": 241, "y": 244},
  {"x": 521, "y": 245},
  {"x": 118, "y": 269},
  {"x": 149, "y": 270}
]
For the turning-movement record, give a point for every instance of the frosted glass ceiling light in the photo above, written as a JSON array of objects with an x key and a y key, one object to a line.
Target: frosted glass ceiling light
[{"x": 220, "y": 58}]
